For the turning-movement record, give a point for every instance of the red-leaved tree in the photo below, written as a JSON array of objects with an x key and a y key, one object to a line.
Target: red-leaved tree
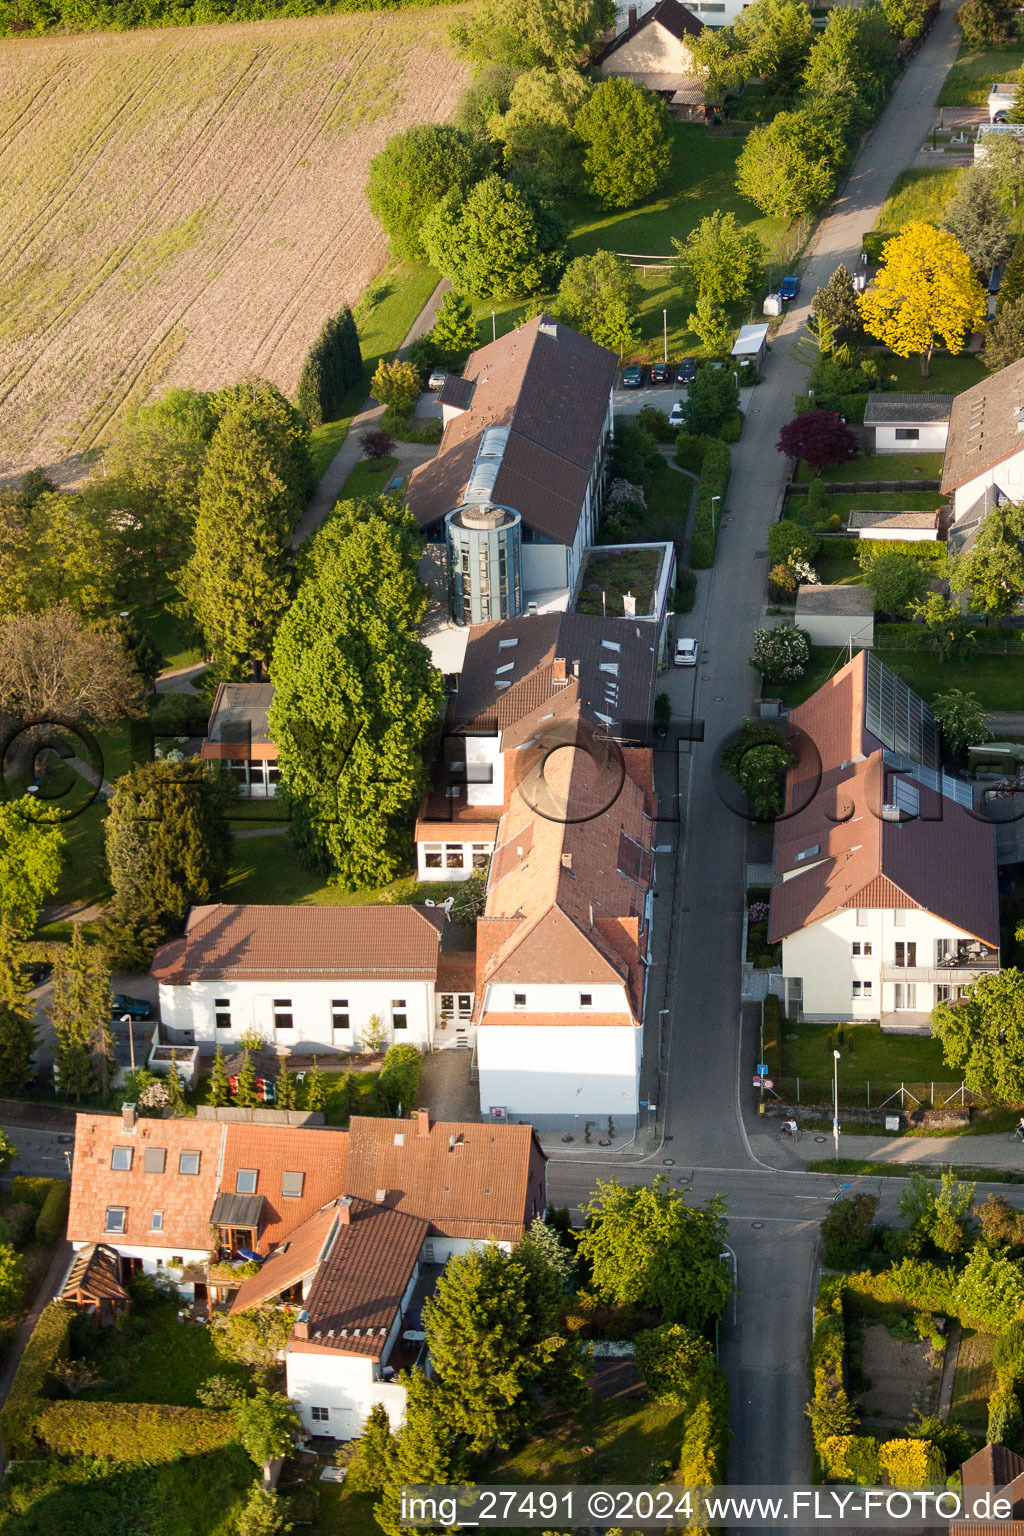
[{"x": 820, "y": 437}]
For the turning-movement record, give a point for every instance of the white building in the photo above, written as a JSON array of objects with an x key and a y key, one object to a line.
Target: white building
[
  {"x": 311, "y": 979},
  {"x": 514, "y": 493},
  {"x": 351, "y": 1227},
  {"x": 653, "y": 50},
  {"x": 836, "y": 615},
  {"x": 239, "y": 737},
  {"x": 1001, "y": 98},
  {"x": 887, "y": 901},
  {"x": 907, "y": 527},
  {"x": 908, "y": 423},
  {"x": 985, "y": 448}
]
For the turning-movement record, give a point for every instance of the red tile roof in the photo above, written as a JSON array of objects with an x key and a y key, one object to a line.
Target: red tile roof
[
  {"x": 320, "y": 1155},
  {"x": 186, "y": 1200},
  {"x": 359, "y": 1286},
  {"x": 278, "y": 943},
  {"x": 297, "y": 1257}
]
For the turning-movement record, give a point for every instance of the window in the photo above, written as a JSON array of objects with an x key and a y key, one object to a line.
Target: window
[
  {"x": 481, "y": 854},
  {"x": 906, "y": 954},
  {"x": 156, "y": 1221},
  {"x": 862, "y": 917},
  {"x": 291, "y": 1185},
  {"x": 861, "y": 989},
  {"x": 907, "y": 434},
  {"x": 943, "y": 951},
  {"x": 454, "y": 856},
  {"x": 519, "y": 1000},
  {"x": 432, "y": 856},
  {"x": 222, "y": 1012},
  {"x": 188, "y": 1162},
  {"x": 942, "y": 994},
  {"x": 447, "y": 1002},
  {"x": 339, "y": 1013},
  {"x": 320, "y": 1415},
  {"x": 899, "y": 917},
  {"x": 154, "y": 1160},
  {"x": 399, "y": 1017},
  {"x": 115, "y": 1218},
  {"x": 586, "y": 999},
  {"x": 121, "y": 1159},
  {"x": 807, "y": 853},
  {"x": 246, "y": 1180},
  {"x": 905, "y": 994},
  {"x": 861, "y": 947},
  {"x": 465, "y": 1002},
  {"x": 283, "y": 1017}
]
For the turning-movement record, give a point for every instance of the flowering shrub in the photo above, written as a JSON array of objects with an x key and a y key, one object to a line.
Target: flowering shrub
[
  {"x": 780, "y": 654},
  {"x": 757, "y": 912}
]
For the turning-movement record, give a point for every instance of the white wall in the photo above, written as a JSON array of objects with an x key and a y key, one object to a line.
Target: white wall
[
  {"x": 654, "y": 51},
  {"x": 343, "y": 1384},
  {"x": 931, "y": 438},
  {"x": 905, "y": 535},
  {"x": 251, "y": 1007},
  {"x": 560, "y": 1071},
  {"x": 822, "y": 955},
  {"x": 544, "y": 567},
  {"x": 1008, "y": 475},
  {"x": 450, "y": 867},
  {"x": 552, "y": 997},
  {"x": 836, "y": 629}
]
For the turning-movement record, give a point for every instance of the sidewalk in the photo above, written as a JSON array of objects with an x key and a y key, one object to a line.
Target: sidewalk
[{"x": 995, "y": 1151}]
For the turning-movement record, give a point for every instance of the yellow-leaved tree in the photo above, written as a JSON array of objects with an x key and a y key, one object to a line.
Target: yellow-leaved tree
[{"x": 925, "y": 292}]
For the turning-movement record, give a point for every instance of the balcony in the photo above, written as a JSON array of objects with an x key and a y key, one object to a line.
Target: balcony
[{"x": 964, "y": 966}]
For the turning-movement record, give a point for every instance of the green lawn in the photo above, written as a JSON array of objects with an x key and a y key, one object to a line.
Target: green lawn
[
  {"x": 324, "y": 442},
  {"x": 917, "y": 194},
  {"x": 606, "y": 577},
  {"x": 267, "y": 870},
  {"x": 969, "y": 81},
  {"x": 626, "y": 1442},
  {"x": 153, "y": 1358},
  {"x": 879, "y": 466},
  {"x": 975, "y": 1379},
  {"x": 998, "y": 681},
  {"x": 701, "y": 181},
  {"x": 368, "y": 478},
  {"x": 867, "y": 1056},
  {"x": 838, "y": 571},
  {"x": 946, "y": 376},
  {"x": 170, "y": 634},
  {"x": 862, "y": 501}
]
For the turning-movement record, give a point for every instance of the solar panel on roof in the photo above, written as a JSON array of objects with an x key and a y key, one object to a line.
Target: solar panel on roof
[{"x": 897, "y": 717}]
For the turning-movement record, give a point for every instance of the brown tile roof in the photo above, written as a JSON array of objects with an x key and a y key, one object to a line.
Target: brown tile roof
[
  {"x": 268, "y": 943},
  {"x": 318, "y": 1154},
  {"x": 673, "y": 16},
  {"x": 992, "y": 1467},
  {"x": 298, "y": 1256},
  {"x": 359, "y": 1287},
  {"x": 550, "y": 386},
  {"x": 185, "y": 1199},
  {"x": 456, "y": 971},
  {"x": 547, "y": 644},
  {"x": 854, "y": 858},
  {"x": 527, "y": 1020},
  {"x": 238, "y": 723},
  {"x": 94, "y": 1276},
  {"x": 489, "y": 1184},
  {"x": 983, "y": 426}
]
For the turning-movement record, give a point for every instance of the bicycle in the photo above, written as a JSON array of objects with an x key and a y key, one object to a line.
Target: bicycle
[
  {"x": 785, "y": 1133},
  {"x": 1017, "y": 1134}
]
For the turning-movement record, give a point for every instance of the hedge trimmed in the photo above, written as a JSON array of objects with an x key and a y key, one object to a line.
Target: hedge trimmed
[
  {"x": 714, "y": 481},
  {"x": 133, "y": 1431},
  {"x": 333, "y": 364},
  {"x": 914, "y": 549},
  {"x": 53, "y": 1217},
  {"x": 32, "y": 1191},
  {"x": 47, "y": 1345}
]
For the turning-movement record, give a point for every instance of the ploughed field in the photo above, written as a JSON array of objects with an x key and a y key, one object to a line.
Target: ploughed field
[{"x": 183, "y": 205}]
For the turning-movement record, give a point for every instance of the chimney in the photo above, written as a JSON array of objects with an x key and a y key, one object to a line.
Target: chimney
[
  {"x": 128, "y": 1116},
  {"x": 423, "y": 1122},
  {"x": 632, "y": 17},
  {"x": 567, "y": 861},
  {"x": 451, "y": 1143},
  {"x": 345, "y": 1210},
  {"x": 575, "y": 669},
  {"x": 558, "y": 672},
  {"x": 300, "y": 1331}
]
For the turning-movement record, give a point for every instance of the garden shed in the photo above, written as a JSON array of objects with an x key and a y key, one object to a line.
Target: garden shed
[
  {"x": 751, "y": 344},
  {"x": 93, "y": 1284},
  {"x": 836, "y": 615}
]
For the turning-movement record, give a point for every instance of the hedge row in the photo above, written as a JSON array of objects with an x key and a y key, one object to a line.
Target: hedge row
[
  {"x": 333, "y": 364},
  {"x": 913, "y": 637},
  {"x": 26, "y": 16},
  {"x": 32, "y": 1191},
  {"x": 714, "y": 481},
  {"x": 47, "y": 1345},
  {"x": 132, "y": 1431},
  {"x": 914, "y": 549},
  {"x": 53, "y": 1217}
]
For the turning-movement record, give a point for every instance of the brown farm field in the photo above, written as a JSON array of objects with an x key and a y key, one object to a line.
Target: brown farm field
[{"x": 181, "y": 206}]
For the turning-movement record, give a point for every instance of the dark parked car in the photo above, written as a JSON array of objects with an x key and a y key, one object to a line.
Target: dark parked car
[
  {"x": 137, "y": 1007},
  {"x": 789, "y": 288},
  {"x": 632, "y": 377},
  {"x": 659, "y": 373},
  {"x": 687, "y": 371}
]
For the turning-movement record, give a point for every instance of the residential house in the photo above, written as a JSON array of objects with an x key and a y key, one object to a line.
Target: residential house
[
  {"x": 514, "y": 492},
  {"x": 908, "y": 423},
  {"x": 654, "y": 51},
  {"x": 349, "y": 1227},
  {"x": 984, "y": 462},
  {"x": 836, "y": 615},
  {"x": 309, "y": 978},
  {"x": 993, "y": 1469},
  {"x": 517, "y": 675},
  {"x": 239, "y": 737},
  {"x": 887, "y": 895}
]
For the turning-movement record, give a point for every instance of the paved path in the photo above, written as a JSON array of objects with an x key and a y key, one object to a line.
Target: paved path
[
  {"x": 181, "y": 679},
  {"x": 366, "y": 420},
  {"x": 706, "y": 1053},
  {"x": 1006, "y": 722}
]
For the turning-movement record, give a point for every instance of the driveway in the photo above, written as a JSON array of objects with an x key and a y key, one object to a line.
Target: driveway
[{"x": 704, "y": 1059}]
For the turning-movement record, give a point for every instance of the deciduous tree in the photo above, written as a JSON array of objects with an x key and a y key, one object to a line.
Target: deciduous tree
[
  {"x": 267, "y": 1425},
  {"x": 648, "y": 1248},
  {"x": 17, "y": 1014},
  {"x": 789, "y": 167},
  {"x": 758, "y": 760},
  {"x": 992, "y": 570},
  {"x": 500, "y": 241},
  {"x": 780, "y": 654},
  {"x": 57, "y": 666},
  {"x": 925, "y": 292},
  {"x": 627, "y": 149},
  {"x": 413, "y": 172},
  {"x": 528, "y": 33},
  {"x": 719, "y": 260},
  {"x": 396, "y": 384},
  {"x": 677, "y": 1364},
  {"x": 454, "y": 329},
  {"x": 720, "y": 59},
  {"x": 30, "y": 862},
  {"x": 820, "y": 438},
  {"x": 951, "y": 633},
  {"x": 255, "y": 1337},
  {"x": 906, "y": 18},
  {"x": 1004, "y": 165},
  {"x": 711, "y": 400},
  {"x": 777, "y": 37},
  {"x": 710, "y": 324},
  {"x": 962, "y": 719},
  {"x": 600, "y": 296},
  {"x": 982, "y": 1035},
  {"x": 897, "y": 581},
  {"x": 987, "y": 23},
  {"x": 536, "y": 129}
]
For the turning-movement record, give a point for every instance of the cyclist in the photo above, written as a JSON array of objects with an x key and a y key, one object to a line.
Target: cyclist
[
  {"x": 790, "y": 1129},
  {"x": 1018, "y": 1129}
]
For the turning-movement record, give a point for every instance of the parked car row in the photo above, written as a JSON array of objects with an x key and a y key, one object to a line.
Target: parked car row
[{"x": 635, "y": 375}]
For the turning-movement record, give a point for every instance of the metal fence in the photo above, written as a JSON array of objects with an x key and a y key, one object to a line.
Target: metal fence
[{"x": 877, "y": 1094}]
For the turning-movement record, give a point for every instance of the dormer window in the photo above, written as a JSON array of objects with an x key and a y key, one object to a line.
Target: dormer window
[
  {"x": 246, "y": 1180},
  {"x": 121, "y": 1159}
]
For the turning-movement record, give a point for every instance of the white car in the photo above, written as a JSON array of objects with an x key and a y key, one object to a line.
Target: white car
[
  {"x": 437, "y": 378},
  {"x": 675, "y": 415},
  {"x": 686, "y": 653}
]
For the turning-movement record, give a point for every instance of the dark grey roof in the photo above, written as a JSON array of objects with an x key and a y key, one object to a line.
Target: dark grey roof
[
  {"x": 899, "y": 410},
  {"x": 551, "y": 388},
  {"x": 895, "y": 520},
  {"x": 456, "y": 391},
  {"x": 675, "y": 18},
  {"x": 839, "y": 600},
  {"x": 240, "y": 713},
  {"x": 237, "y": 1211},
  {"x": 986, "y": 426}
]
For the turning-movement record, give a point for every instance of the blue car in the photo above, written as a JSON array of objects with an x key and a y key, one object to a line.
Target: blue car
[
  {"x": 632, "y": 377},
  {"x": 137, "y": 1007},
  {"x": 789, "y": 288}
]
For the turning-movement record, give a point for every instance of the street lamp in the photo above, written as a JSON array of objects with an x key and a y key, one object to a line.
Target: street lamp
[
  {"x": 835, "y": 1102},
  {"x": 664, "y": 321},
  {"x": 126, "y": 1018},
  {"x": 494, "y": 327},
  {"x": 714, "y": 523}
]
